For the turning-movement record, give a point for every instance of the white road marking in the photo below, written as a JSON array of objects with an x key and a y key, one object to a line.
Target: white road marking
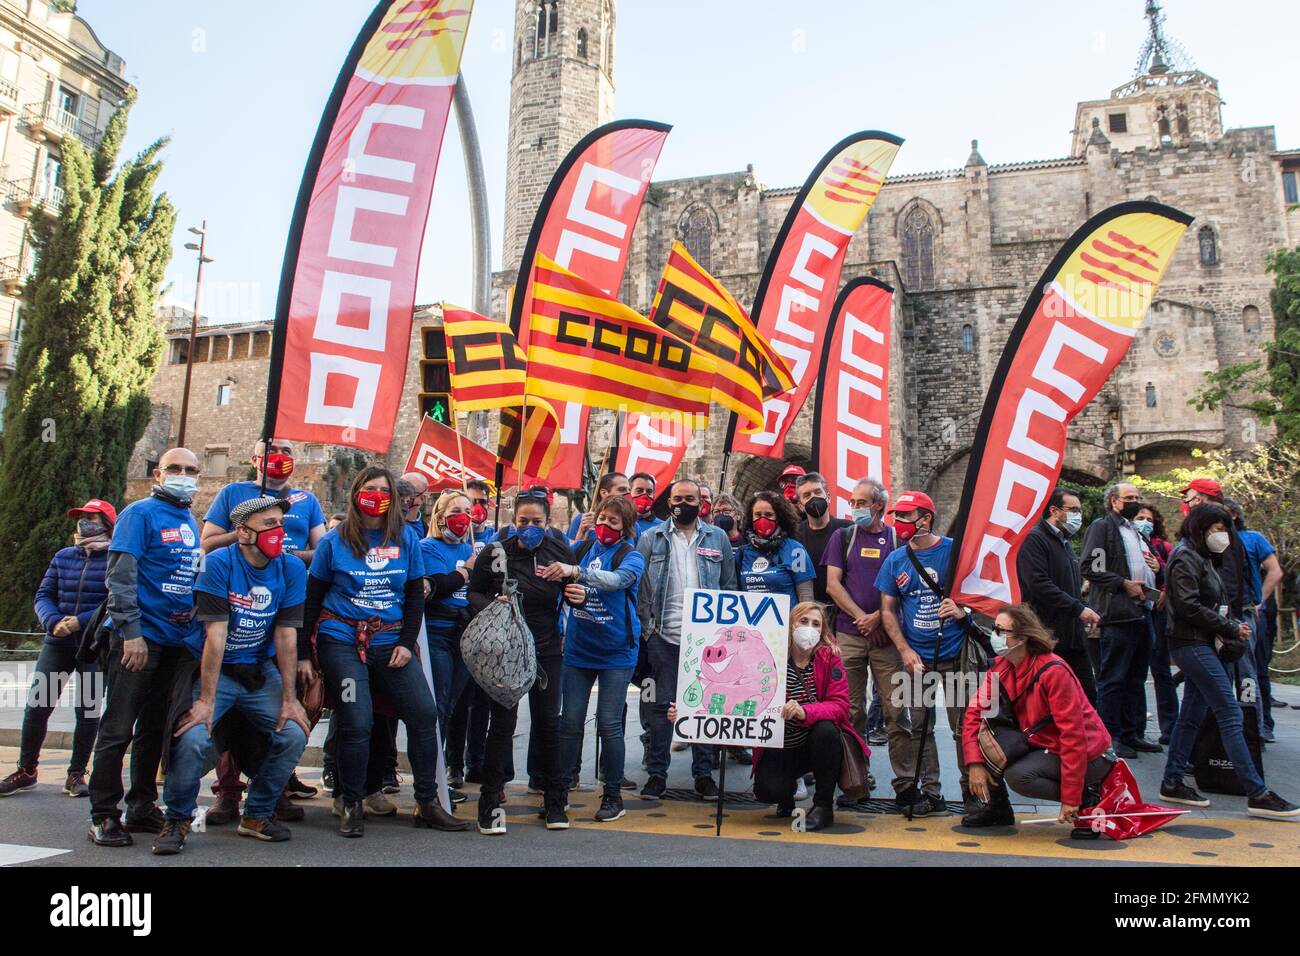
[{"x": 11, "y": 853}]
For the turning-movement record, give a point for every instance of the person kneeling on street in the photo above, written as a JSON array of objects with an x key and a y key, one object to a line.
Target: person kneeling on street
[
  {"x": 1069, "y": 747},
  {"x": 816, "y": 714},
  {"x": 250, "y": 601}
]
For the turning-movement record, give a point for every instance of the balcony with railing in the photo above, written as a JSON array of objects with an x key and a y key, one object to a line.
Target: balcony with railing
[
  {"x": 47, "y": 122},
  {"x": 15, "y": 271},
  {"x": 8, "y": 98},
  {"x": 45, "y": 197},
  {"x": 8, "y": 354}
]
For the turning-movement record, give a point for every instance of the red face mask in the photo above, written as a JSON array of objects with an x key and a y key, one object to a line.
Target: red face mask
[
  {"x": 278, "y": 466},
  {"x": 644, "y": 504},
  {"x": 607, "y": 535},
  {"x": 904, "y": 529},
  {"x": 1185, "y": 508},
  {"x": 457, "y": 524},
  {"x": 270, "y": 542},
  {"x": 706, "y": 508},
  {"x": 374, "y": 503},
  {"x": 478, "y": 513},
  {"x": 789, "y": 492},
  {"x": 764, "y": 527}
]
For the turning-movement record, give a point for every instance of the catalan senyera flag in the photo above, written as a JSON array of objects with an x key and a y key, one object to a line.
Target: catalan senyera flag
[
  {"x": 1075, "y": 329},
  {"x": 347, "y": 286},
  {"x": 487, "y": 365},
  {"x": 585, "y": 346},
  {"x": 529, "y": 441},
  {"x": 695, "y": 307}
]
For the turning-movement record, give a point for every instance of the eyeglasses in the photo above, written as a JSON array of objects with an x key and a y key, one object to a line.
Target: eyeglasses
[
  {"x": 1004, "y": 631},
  {"x": 192, "y": 470}
]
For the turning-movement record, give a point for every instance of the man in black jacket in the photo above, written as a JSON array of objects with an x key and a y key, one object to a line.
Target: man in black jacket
[
  {"x": 1050, "y": 582},
  {"x": 1122, "y": 573}
]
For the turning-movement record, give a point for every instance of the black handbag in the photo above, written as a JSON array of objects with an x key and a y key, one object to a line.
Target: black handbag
[
  {"x": 1000, "y": 739},
  {"x": 1212, "y": 768}
]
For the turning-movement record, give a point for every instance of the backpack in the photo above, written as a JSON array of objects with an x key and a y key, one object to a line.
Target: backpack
[
  {"x": 498, "y": 647},
  {"x": 619, "y": 556}
]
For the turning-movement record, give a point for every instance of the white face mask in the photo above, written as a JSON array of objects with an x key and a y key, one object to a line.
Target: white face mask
[
  {"x": 806, "y": 638},
  {"x": 1218, "y": 541}
]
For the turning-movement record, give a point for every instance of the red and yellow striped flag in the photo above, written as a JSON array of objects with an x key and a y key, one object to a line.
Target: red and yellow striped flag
[
  {"x": 695, "y": 307},
  {"x": 586, "y": 347}
]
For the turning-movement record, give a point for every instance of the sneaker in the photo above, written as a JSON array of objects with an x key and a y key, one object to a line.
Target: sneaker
[
  {"x": 800, "y": 790},
  {"x": 938, "y": 806},
  {"x": 224, "y": 810},
  {"x": 1142, "y": 745},
  {"x": 337, "y": 807},
  {"x": 171, "y": 840},
  {"x": 267, "y": 829},
  {"x": 378, "y": 805},
  {"x": 1271, "y": 805},
  {"x": 287, "y": 812},
  {"x": 17, "y": 782},
  {"x": 352, "y": 819},
  {"x": 75, "y": 785},
  {"x": 706, "y": 788},
  {"x": 108, "y": 832},
  {"x": 491, "y": 818},
  {"x": 877, "y": 738},
  {"x": 556, "y": 818},
  {"x": 1268, "y": 736},
  {"x": 392, "y": 783},
  {"x": 456, "y": 779},
  {"x": 627, "y": 784},
  {"x": 924, "y": 805},
  {"x": 654, "y": 788},
  {"x": 327, "y": 778},
  {"x": 611, "y": 808},
  {"x": 298, "y": 790},
  {"x": 151, "y": 822},
  {"x": 456, "y": 796},
  {"x": 1182, "y": 793}
]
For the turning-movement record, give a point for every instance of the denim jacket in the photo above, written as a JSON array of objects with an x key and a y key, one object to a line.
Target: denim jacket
[{"x": 714, "y": 561}]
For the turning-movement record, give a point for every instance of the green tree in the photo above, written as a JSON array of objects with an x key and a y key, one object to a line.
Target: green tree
[
  {"x": 1273, "y": 384},
  {"x": 78, "y": 401}
]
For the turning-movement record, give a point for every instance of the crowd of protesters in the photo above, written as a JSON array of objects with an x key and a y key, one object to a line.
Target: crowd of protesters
[{"x": 222, "y": 645}]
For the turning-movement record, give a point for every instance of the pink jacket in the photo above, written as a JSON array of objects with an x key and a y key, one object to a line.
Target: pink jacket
[{"x": 832, "y": 698}]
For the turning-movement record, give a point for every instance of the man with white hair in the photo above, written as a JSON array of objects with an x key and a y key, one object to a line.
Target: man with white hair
[{"x": 413, "y": 492}]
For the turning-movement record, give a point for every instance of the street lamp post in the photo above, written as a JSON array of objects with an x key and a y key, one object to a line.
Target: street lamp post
[{"x": 199, "y": 247}]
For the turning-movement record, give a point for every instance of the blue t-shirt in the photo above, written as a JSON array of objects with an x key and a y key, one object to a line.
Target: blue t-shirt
[
  {"x": 596, "y": 635},
  {"x": 1258, "y": 550},
  {"x": 918, "y": 612},
  {"x": 304, "y": 511},
  {"x": 441, "y": 557},
  {"x": 371, "y": 586},
  {"x": 775, "y": 572},
  {"x": 255, "y": 595},
  {"x": 483, "y": 537},
  {"x": 645, "y": 524},
  {"x": 164, "y": 538}
]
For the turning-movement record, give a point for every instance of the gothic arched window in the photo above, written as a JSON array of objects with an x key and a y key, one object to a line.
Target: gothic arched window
[
  {"x": 582, "y": 42},
  {"x": 1162, "y": 122},
  {"x": 967, "y": 339},
  {"x": 1209, "y": 246},
  {"x": 1250, "y": 320},
  {"x": 918, "y": 249},
  {"x": 547, "y": 27},
  {"x": 697, "y": 234},
  {"x": 1184, "y": 124}
]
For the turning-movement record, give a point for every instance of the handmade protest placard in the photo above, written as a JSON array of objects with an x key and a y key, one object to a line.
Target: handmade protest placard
[{"x": 731, "y": 668}]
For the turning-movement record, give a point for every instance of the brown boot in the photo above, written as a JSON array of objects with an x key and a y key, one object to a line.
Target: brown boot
[
  {"x": 287, "y": 812},
  {"x": 224, "y": 810},
  {"x": 429, "y": 813}
]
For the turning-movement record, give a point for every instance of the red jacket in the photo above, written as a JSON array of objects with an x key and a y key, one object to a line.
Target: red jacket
[
  {"x": 832, "y": 698},
  {"x": 1075, "y": 732}
]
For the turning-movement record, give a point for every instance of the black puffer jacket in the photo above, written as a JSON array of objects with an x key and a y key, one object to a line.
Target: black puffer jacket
[{"x": 1194, "y": 593}]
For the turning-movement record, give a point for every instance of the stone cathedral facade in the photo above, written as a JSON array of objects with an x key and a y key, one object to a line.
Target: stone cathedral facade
[{"x": 962, "y": 248}]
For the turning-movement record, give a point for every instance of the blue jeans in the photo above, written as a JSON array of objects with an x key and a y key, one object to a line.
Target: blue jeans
[
  {"x": 1207, "y": 688},
  {"x": 190, "y": 751},
  {"x": 1263, "y": 654},
  {"x": 353, "y": 708},
  {"x": 575, "y": 690},
  {"x": 1121, "y": 684},
  {"x": 663, "y": 665},
  {"x": 54, "y": 668},
  {"x": 448, "y": 670},
  {"x": 1166, "y": 692}
]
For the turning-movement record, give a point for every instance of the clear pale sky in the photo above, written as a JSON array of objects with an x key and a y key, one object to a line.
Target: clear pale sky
[{"x": 239, "y": 87}]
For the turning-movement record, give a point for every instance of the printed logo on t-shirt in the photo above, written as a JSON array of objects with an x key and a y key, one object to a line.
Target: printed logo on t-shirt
[
  {"x": 297, "y": 496},
  {"x": 187, "y": 535},
  {"x": 869, "y": 553},
  {"x": 170, "y": 535},
  {"x": 377, "y": 558},
  {"x": 595, "y": 564},
  {"x": 759, "y": 566},
  {"x": 261, "y": 598}
]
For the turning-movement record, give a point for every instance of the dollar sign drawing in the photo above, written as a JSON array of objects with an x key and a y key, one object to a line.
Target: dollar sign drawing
[
  {"x": 765, "y": 730},
  {"x": 692, "y": 696}
]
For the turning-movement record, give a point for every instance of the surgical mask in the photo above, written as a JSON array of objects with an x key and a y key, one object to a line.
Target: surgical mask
[
  {"x": 1218, "y": 541},
  {"x": 685, "y": 514},
  {"x": 270, "y": 541},
  {"x": 806, "y": 638},
  {"x": 181, "y": 487},
  {"x": 1073, "y": 521},
  {"x": 530, "y": 536},
  {"x": 374, "y": 503},
  {"x": 1144, "y": 526},
  {"x": 607, "y": 535},
  {"x": 864, "y": 516},
  {"x": 816, "y": 507},
  {"x": 457, "y": 524},
  {"x": 999, "y": 644},
  {"x": 1130, "y": 509}
]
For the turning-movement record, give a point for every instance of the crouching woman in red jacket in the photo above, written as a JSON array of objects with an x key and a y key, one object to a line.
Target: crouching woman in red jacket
[{"x": 1071, "y": 749}]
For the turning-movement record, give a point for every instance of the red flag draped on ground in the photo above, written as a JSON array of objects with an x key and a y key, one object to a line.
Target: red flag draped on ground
[
  {"x": 584, "y": 223},
  {"x": 797, "y": 290},
  {"x": 1076, "y": 327},
  {"x": 851, "y": 418},
  {"x": 347, "y": 288},
  {"x": 1121, "y": 814}
]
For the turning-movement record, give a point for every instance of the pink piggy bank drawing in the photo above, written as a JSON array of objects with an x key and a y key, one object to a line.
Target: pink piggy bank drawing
[{"x": 737, "y": 674}]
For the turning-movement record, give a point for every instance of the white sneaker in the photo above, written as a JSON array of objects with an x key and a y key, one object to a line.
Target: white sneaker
[
  {"x": 800, "y": 790},
  {"x": 378, "y": 805}
]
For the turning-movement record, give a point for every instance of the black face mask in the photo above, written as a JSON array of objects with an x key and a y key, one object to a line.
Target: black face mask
[
  {"x": 684, "y": 514},
  {"x": 90, "y": 528},
  {"x": 725, "y": 522},
  {"x": 1130, "y": 510},
  {"x": 816, "y": 507}
]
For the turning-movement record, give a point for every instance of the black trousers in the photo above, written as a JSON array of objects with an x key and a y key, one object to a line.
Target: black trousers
[
  {"x": 544, "y": 715},
  {"x": 135, "y": 707},
  {"x": 1080, "y": 662},
  {"x": 779, "y": 770},
  {"x": 467, "y": 729}
]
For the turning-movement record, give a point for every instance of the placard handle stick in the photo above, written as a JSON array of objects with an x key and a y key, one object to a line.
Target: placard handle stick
[{"x": 722, "y": 787}]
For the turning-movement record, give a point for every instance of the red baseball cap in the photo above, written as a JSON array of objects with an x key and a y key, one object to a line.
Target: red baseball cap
[
  {"x": 792, "y": 471},
  {"x": 910, "y": 500},
  {"x": 1206, "y": 486},
  {"x": 95, "y": 507}
]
